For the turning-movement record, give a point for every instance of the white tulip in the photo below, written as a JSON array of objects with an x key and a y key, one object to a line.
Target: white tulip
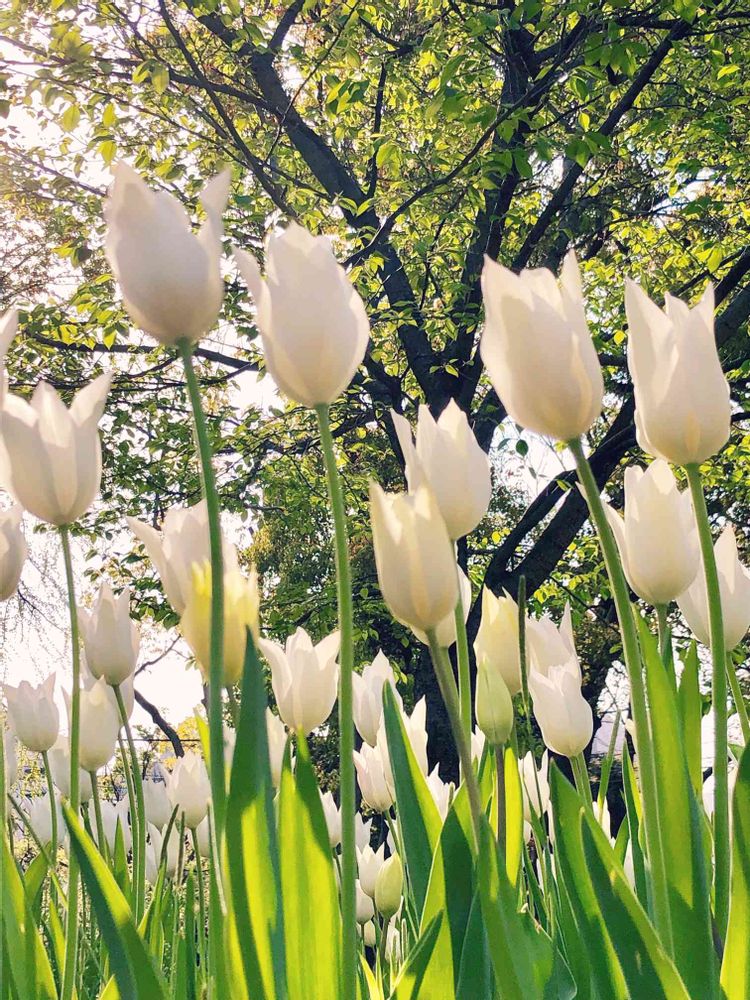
[
  {"x": 416, "y": 732},
  {"x": 362, "y": 831},
  {"x": 156, "y": 803},
  {"x": 39, "y": 814},
  {"x": 445, "y": 631},
  {"x": 369, "y": 935},
  {"x": 492, "y": 705},
  {"x": 110, "y": 638},
  {"x": 182, "y": 544},
  {"x": 447, "y": 455},
  {"x": 369, "y": 863},
  {"x": 442, "y": 792},
  {"x": 13, "y": 550},
  {"x": 312, "y": 322},
  {"x": 53, "y": 456},
  {"x": 682, "y": 407},
  {"x": 10, "y": 757},
  {"x": 365, "y": 905},
  {"x": 534, "y": 784},
  {"x": 332, "y": 814},
  {"x": 154, "y": 852},
  {"x": 389, "y": 887},
  {"x": 658, "y": 537},
  {"x": 563, "y": 714},
  {"x": 497, "y": 642},
  {"x": 414, "y": 556},
  {"x": 33, "y": 714},
  {"x": 550, "y": 645},
  {"x": 477, "y": 745},
  {"x": 59, "y": 762},
  {"x": 112, "y": 815},
  {"x": 203, "y": 838},
  {"x": 370, "y": 768},
  {"x": 99, "y": 725},
  {"x": 734, "y": 586},
  {"x": 367, "y": 694},
  {"x": 538, "y": 351},
  {"x": 304, "y": 678},
  {"x": 8, "y": 330},
  {"x": 127, "y": 689},
  {"x": 277, "y": 739},
  {"x": 189, "y": 789},
  {"x": 169, "y": 276}
]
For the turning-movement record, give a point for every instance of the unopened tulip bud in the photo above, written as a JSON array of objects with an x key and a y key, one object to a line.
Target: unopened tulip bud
[
  {"x": 13, "y": 551},
  {"x": 39, "y": 815},
  {"x": 332, "y": 814},
  {"x": 658, "y": 537},
  {"x": 367, "y": 694},
  {"x": 304, "y": 678},
  {"x": 497, "y": 642},
  {"x": 53, "y": 454},
  {"x": 110, "y": 638},
  {"x": 33, "y": 714},
  {"x": 448, "y": 456},
  {"x": 563, "y": 714},
  {"x": 189, "y": 789},
  {"x": 365, "y": 907},
  {"x": 312, "y": 322},
  {"x": 155, "y": 849},
  {"x": 156, "y": 803},
  {"x": 99, "y": 726},
  {"x": 682, "y": 407},
  {"x": 241, "y": 602},
  {"x": 414, "y": 556},
  {"x": 369, "y": 936},
  {"x": 59, "y": 762},
  {"x": 538, "y": 350},
  {"x": 369, "y": 863},
  {"x": 203, "y": 838},
  {"x": 493, "y": 707},
  {"x": 535, "y": 785},
  {"x": 112, "y": 817},
  {"x": 389, "y": 887},
  {"x": 169, "y": 276},
  {"x": 734, "y": 587}
]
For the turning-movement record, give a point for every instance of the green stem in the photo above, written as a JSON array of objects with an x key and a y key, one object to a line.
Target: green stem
[
  {"x": 101, "y": 840},
  {"x": 201, "y": 900},
  {"x": 177, "y": 907},
  {"x": 447, "y": 685},
  {"x": 581, "y": 777},
  {"x": 138, "y": 813},
  {"x": 501, "y": 821},
  {"x": 216, "y": 650},
  {"x": 662, "y": 629},
  {"x": 631, "y": 655},
  {"x": 132, "y": 805},
  {"x": 346, "y": 724},
  {"x": 719, "y": 698},
  {"x": 52, "y": 806},
  {"x": 462, "y": 658},
  {"x": 71, "y": 927},
  {"x": 739, "y": 699}
]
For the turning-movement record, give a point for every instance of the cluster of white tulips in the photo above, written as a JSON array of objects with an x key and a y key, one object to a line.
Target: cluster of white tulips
[{"x": 234, "y": 874}]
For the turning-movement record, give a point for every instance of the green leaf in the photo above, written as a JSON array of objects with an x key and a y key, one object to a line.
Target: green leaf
[
  {"x": 419, "y": 816},
  {"x": 735, "y": 969},
  {"x": 255, "y": 932},
  {"x": 29, "y": 971},
  {"x": 475, "y": 977},
  {"x": 70, "y": 118},
  {"x": 691, "y": 713},
  {"x": 513, "y": 816},
  {"x": 408, "y": 986},
  {"x": 312, "y": 919},
  {"x": 131, "y": 963},
  {"x": 159, "y": 77}
]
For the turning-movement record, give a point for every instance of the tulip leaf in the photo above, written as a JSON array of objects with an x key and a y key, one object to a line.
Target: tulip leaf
[
  {"x": 29, "y": 972},
  {"x": 681, "y": 831},
  {"x": 131, "y": 963},
  {"x": 475, "y": 970},
  {"x": 419, "y": 817},
  {"x": 735, "y": 970},
  {"x": 255, "y": 941},
  {"x": 410, "y": 981},
  {"x": 513, "y": 816},
  {"x": 633, "y": 808},
  {"x": 312, "y": 920},
  {"x": 691, "y": 713}
]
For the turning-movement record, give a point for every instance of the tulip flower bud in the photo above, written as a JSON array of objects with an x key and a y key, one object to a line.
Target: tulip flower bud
[
  {"x": 371, "y": 778},
  {"x": 369, "y": 863},
  {"x": 39, "y": 815},
  {"x": 369, "y": 936},
  {"x": 333, "y": 818},
  {"x": 367, "y": 693},
  {"x": 241, "y": 602},
  {"x": 734, "y": 587},
  {"x": 658, "y": 538},
  {"x": 389, "y": 886},
  {"x": 538, "y": 351},
  {"x": 312, "y": 322},
  {"x": 414, "y": 556},
  {"x": 493, "y": 706},
  {"x": 563, "y": 714},
  {"x": 445, "y": 631},
  {"x": 59, "y": 762},
  {"x": 154, "y": 853},
  {"x": 304, "y": 678},
  {"x": 682, "y": 407},
  {"x": 33, "y": 714},
  {"x": 277, "y": 738},
  {"x": 448, "y": 457},
  {"x": 13, "y": 551},
  {"x": 156, "y": 803},
  {"x": 534, "y": 784},
  {"x": 365, "y": 907},
  {"x": 189, "y": 789},
  {"x": 53, "y": 456},
  {"x": 169, "y": 276},
  {"x": 99, "y": 726},
  {"x": 497, "y": 640},
  {"x": 203, "y": 838},
  {"x": 111, "y": 640},
  {"x": 10, "y": 757}
]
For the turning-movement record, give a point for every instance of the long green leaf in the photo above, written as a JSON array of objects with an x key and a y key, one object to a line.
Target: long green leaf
[
  {"x": 28, "y": 970},
  {"x": 131, "y": 963},
  {"x": 409, "y": 985},
  {"x": 691, "y": 712},
  {"x": 735, "y": 969}
]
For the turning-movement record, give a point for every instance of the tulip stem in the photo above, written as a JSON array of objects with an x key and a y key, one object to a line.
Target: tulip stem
[
  {"x": 216, "y": 650},
  {"x": 719, "y": 699},
  {"x": 581, "y": 778},
  {"x": 662, "y": 629},
  {"x": 71, "y": 925},
  {"x": 201, "y": 901},
  {"x": 137, "y": 811},
  {"x": 500, "y": 777},
  {"x": 346, "y": 723},
  {"x": 52, "y": 806},
  {"x": 632, "y": 657},
  {"x": 447, "y": 685},
  {"x": 739, "y": 699},
  {"x": 462, "y": 657},
  {"x": 101, "y": 840}
]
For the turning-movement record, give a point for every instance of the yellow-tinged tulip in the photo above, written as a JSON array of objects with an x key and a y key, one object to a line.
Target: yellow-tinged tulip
[
  {"x": 538, "y": 351},
  {"x": 169, "y": 276},
  {"x": 497, "y": 638},
  {"x": 241, "y": 602},
  {"x": 189, "y": 789},
  {"x": 682, "y": 407},
  {"x": 734, "y": 586},
  {"x": 493, "y": 705},
  {"x": 389, "y": 887},
  {"x": 658, "y": 537},
  {"x": 312, "y": 322},
  {"x": 414, "y": 556}
]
